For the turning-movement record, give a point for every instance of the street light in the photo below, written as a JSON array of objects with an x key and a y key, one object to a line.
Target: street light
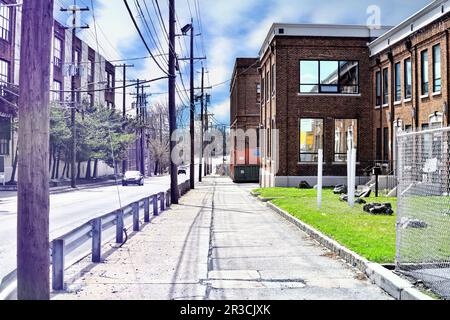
[{"x": 186, "y": 29}]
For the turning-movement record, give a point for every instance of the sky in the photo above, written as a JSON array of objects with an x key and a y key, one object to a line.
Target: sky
[{"x": 226, "y": 29}]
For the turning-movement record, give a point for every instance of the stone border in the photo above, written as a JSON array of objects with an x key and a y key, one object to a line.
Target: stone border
[{"x": 394, "y": 285}]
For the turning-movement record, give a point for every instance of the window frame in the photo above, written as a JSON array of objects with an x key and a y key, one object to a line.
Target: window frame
[
  {"x": 424, "y": 80},
  {"x": 357, "y": 138},
  {"x": 5, "y": 65},
  {"x": 378, "y": 88},
  {"x": 398, "y": 82},
  {"x": 57, "y": 60},
  {"x": 300, "y": 153},
  {"x": 385, "y": 86},
  {"x": 319, "y": 84},
  {"x": 57, "y": 96},
  {"x": 435, "y": 56},
  {"x": 5, "y": 23},
  {"x": 407, "y": 84}
]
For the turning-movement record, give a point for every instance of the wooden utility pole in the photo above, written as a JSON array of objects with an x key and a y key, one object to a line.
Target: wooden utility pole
[
  {"x": 192, "y": 111},
  {"x": 142, "y": 123},
  {"x": 138, "y": 103},
  {"x": 172, "y": 108},
  {"x": 201, "y": 129},
  {"x": 33, "y": 261},
  {"x": 124, "y": 105},
  {"x": 74, "y": 105}
]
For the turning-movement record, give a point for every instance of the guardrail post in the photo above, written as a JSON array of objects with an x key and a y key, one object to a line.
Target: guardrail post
[
  {"x": 168, "y": 199},
  {"x": 162, "y": 201},
  {"x": 96, "y": 240},
  {"x": 155, "y": 204},
  {"x": 135, "y": 209},
  {"x": 119, "y": 226},
  {"x": 147, "y": 210},
  {"x": 58, "y": 264}
]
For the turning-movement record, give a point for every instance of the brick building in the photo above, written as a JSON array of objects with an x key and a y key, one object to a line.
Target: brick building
[
  {"x": 245, "y": 94},
  {"x": 315, "y": 84},
  {"x": 93, "y": 72},
  {"x": 410, "y": 77}
]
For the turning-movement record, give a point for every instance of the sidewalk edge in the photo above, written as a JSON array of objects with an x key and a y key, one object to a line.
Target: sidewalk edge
[{"x": 394, "y": 285}]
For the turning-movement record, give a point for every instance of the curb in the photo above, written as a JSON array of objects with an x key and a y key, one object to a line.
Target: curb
[{"x": 394, "y": 285}]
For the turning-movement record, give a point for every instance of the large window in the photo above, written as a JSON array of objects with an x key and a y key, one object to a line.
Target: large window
[
  {"x": 424, "y": 68},
  {"x": 378, "y": 88},
  {"x": 398, "y": 82},
  {"x": 56, "y": 93},
  {"x": 385, "y": 86},
  {"x": 4, "y": 75},
  {"x": 437, "y": 68},
  {"x": 311, "y": 139},
  {"x": 267, "y": 85},
  {"x": 327, "y": 76},
  {"x": 5, "y": 22},
  {"x": 57, "y": 52},
  {"x": 341, "y": 129},
  {"x": 408, "y": 79}
]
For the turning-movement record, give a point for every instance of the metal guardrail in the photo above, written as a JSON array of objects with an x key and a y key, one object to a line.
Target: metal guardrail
[{"x": 92, "y": 231}]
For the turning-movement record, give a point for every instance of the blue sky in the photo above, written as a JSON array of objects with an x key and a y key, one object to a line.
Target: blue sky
[{"x": 230, "y": 29}]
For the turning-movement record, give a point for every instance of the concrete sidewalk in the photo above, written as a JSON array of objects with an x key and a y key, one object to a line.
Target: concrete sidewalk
[{"x": 218, "y": 243}]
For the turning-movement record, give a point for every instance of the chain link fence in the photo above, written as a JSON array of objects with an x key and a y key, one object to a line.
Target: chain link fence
[{"x": 423, "y": 222}]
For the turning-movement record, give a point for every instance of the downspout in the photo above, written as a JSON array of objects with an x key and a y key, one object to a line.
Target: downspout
[
  {"x": 416, "y": 91},
  {"x": 392, "y": 107},
  {"x": 381, "y": 108}
]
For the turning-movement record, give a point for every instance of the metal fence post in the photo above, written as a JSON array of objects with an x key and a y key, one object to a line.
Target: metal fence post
[
  {"x": 58, "y": 264},
  {"x": 162, "y": 201},
  {"x": 119, "y": 226},
  {"x": 135, "y": 209},
  {"x": 147, "y": 210},
  {"x": 96, "y": 240},
  {"x": 155, "y": 204}
]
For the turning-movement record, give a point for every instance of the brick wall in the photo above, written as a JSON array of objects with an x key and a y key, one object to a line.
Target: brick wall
[
  {"x": 287, "y": 106},
  {"x": 405, "y": 109}
]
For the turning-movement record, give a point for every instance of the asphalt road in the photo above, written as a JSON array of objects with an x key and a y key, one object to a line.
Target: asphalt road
[{"x": 71, "y": 209}]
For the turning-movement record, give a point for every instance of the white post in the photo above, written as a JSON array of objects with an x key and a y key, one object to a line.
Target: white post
[
  {"x": 351, "y": 192},
  {"x": 350, "y": 165},
  {"x": 319, "y": 178}
]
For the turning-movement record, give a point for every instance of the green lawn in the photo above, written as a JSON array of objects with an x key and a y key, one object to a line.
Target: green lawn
[{"x": 371, "y": 236}]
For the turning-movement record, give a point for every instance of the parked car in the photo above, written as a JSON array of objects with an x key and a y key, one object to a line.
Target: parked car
[
  {"x": 133, "y": 177},
  {"x": 182, "y": 171}
]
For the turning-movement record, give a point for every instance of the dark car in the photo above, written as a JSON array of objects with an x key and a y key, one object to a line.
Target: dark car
[
  {"x": 133, "y": 177},
  {"x": 181, "y": 170}
]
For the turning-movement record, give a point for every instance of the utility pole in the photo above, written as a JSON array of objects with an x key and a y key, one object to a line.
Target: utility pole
[
  {"x": 33, "y": 261},
  {"x": 74, "y": 105},
  {"x": 142, "y": 122},
  {"x": 201, "y": 129},
  {"x": 124, "y": 106},
  {"x": 206, "y": 130},
  {"x": 172, "y": 108},
  {"x": 138, "y": 102},
  {"x": 192, "y": 112}
]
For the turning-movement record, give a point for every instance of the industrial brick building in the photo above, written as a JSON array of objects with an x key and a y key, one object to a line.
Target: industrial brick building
[
  {"x": 245, "y": 95},
  {"x": 315, "y": 85},
  {"x": 409, "y": 68},
  {"x": 316, "y": 81},
  {"x": 93, "y": 72}
]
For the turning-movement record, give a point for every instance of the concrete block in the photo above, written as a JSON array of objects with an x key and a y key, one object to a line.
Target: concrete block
[
  {"x": 413, "y": 294},
  {"x": 387, "y": 280}
]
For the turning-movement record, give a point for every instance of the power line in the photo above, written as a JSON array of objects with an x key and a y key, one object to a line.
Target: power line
[{"x": 143, "y": 39}]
